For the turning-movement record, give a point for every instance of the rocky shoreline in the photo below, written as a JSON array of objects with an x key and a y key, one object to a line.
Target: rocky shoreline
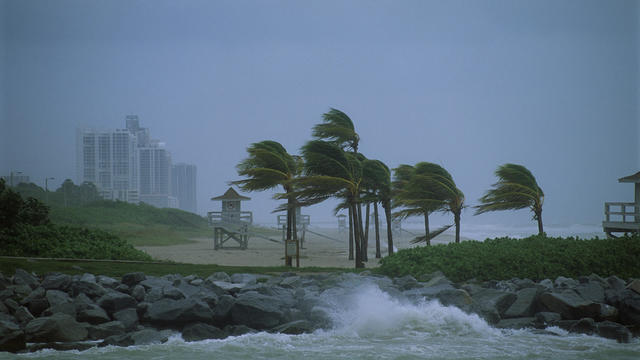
[{"x": 65, "y": 312}]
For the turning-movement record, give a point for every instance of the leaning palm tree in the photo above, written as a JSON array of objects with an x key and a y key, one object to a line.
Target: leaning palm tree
[
  {"x": 412, "y": 197},
  {"x": 516, "y": 189},
  {"x": 337, "y": 128},
  {"x": 268, "y": 166},
  {"x": 329, "y": 171},
  {"x": 432, "y": 184}
]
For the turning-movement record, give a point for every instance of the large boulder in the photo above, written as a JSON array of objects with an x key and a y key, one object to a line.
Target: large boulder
[
  {"x": 85, "y": 286},
  {"x": 592, "y": 291},
  {"x": 612, "y": 330},
  {"x": 12, "y": 339},
  {"x": 128, "y": 318},
  {"x": 105, "y": 330},
  {"x": 178, "y": 312},
  {"x": 257, "y": 311},
  {"x": 142, "y": 337},
  {"x": 56, "y": 281},
  {"x": 57, "y": 297},
  {"x": 22, "y": 277},
  {"x": 93, "y": 314},
  {"x": 200, "y": 331},
  {"x": 115, "y": 301},
  {"x": 58, "y": 327},
  {"x": 629, "y": 308},
  {"x": 133, "y": 278},
  {"x": 570, "y": 305},
  {"x": 524, "y": 305}
]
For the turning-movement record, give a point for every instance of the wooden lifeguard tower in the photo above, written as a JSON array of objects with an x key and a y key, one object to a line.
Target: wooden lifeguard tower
[
  {"x": 302, "y": 222},
  {"x": 230, "y": 223},
  {"x": 342, "y": 224},
  {"x": 622, "y": 217}
]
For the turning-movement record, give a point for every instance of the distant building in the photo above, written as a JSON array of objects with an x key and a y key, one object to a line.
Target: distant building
[
  {"x": 15, "y": 179},
  {"x": 127, "y": 165},
  {"x": 183, "y": 186}
]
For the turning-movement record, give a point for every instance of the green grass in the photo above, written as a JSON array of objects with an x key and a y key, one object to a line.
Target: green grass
[
  {"x": 535, "y": 257},
  {"x": 8, "y": 266}
]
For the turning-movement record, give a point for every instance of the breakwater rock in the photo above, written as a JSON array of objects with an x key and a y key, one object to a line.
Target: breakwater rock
[{"x": 75, "y": 312}]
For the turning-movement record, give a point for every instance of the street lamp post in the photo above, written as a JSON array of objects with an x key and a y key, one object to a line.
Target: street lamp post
[{"x": 46, "y": 189}]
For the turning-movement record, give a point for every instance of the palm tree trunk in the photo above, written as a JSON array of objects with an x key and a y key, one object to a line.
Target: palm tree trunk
[
  {"x": 359, "y": 241},
  {"x": 426, "y": 228},
  {"x": 387, "y": 214},
  {"x": 539, "y": 218},
  {"x": 356, "y": 236},
  {"x": 294, "y": 233},
  {"x": 456, "y": 219},
  {"x": 377, "y": 225},
  {"x": 287, "y": 259},
  {"x": 365, "y": 244},
  {"x": 350, "y": 234}
]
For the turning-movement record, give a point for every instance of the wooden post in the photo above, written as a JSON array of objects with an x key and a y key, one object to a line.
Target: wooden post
[{"x": 637, "y": 203}]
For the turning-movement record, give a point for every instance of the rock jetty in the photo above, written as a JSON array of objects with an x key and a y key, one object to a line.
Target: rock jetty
[{"x": 63, "y": 312}]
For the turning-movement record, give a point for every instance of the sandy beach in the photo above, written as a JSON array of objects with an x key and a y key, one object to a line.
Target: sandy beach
[{"x": 318, "y": 251}]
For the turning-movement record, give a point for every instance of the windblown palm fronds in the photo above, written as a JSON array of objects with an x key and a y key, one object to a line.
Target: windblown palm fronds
[
  {"x": 338, "y": 129},
  {"x": 516, "y": 189}
]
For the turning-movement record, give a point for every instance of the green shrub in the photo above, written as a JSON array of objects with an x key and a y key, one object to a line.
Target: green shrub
[
  {"x": 535, "y": 257},
  {"x": 66, "y": 242}
]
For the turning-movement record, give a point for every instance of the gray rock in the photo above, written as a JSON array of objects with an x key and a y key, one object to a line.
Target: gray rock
[
  {"x": 171, "y": 292},
  {"x": 107, "y": 282},
  {"x": 427, "y": 292},
  {"x": 38, "y": 306},
  {"x": 612, "y": 330},
  {"x": 88, "y": 277},
  {"x": 138, "y": 292},
  {"x": 455, "y": 297},
  {"x": 123, "y": 289},
  {"x": 219, "y": 276},
  {"x": 114, "y": 301},
  {"x": 200, "y": 331},
  {"x": 291, "y": 282},
  {"x": 591, "y": 291},
  {"x": 93, "y": 314},
  {"x": 608, "y": 312},
  {"x": 257, "y": 311},
  {"x": 105, "y": 330},
  {"x": 56, "y": 281},
  {"x": 406, "y": 282},
  {"x": 38, "y": 293},
  {"x": 89, "y": 288},
  {"x": 12, "y": 305},
  {"x": 247, "y": 279},
  {"x": 584, "y": 326},
  {"x": 500, "y": 300},
  {"x": 524, "y": 283},
  {"x": 222, "y": 310},
  {"x": 12, "y": 339},
  {"x": 64, "y": 308},
  {"x": 196, "y": 282},
  {"x": 133, "y": 278},
  {"x": 176, "y": 312},
  {"x": 22, "y": 290},
  {"x": 23, "y": 315},
  {"x": 237, "y": 330},
  {"x": 546, "y": 318},
  {"x": 634, "y": 285},
  {"x": 516, "y": 323},
  {"x": 58, "y": 327},
  {"x": 82, "y": 301},
  {"x": 128, "y": 318},
  {"x": 629, "y": 308},
  {"x": 57, "y": 297},
  {"x": 565, "y": 283},
  {"x": 524, "y": 304},
  {"x": 546, "y": 284},
  {"x": 615, "y": 283},
  {"x": 3, "y": 308},
  {"x": 4, "y": 281},
  {"x": 22, "y": 277},
  {"x": 7, "y": 293},
  {"x": 150, "y": 336},
  {"x": 570, "y": 305}
]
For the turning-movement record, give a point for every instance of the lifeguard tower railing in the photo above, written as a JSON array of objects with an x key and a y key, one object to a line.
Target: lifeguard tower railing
[
  {"x": 621, "y": 217},
  {"x": 232, "y": 226}
]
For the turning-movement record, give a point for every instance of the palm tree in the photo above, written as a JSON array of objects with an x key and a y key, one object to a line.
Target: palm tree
[
  {"x": 516, "y": 189},
  {"x": 268, "y": 166},
  {"x": 338, "y": 129},
  {"x": 377, "y": 184},
  {"x": 410, "y": 194},
  {"x": 431, "y": 184},
  {"x": 332, "y": 172}
]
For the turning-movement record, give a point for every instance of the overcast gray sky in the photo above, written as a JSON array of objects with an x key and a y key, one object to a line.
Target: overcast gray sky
[{"x": 552, "y": 85}]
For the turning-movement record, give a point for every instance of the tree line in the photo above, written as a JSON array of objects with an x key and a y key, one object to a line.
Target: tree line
[{"x": 331, "y": 166}]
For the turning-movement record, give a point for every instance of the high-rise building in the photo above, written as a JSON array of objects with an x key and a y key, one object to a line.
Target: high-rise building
[
  {"x": 108, "y": 159},
  {"x": 125, "y": 164},
  {"x": 183, "y": 186}
]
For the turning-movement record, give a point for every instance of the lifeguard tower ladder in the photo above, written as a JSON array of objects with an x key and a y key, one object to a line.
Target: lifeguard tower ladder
[
  {"x": 620, "y": 217},
  {"x": 230, "y": 223}
]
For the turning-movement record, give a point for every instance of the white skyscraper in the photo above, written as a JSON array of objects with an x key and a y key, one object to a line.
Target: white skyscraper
[
  {"x": 125, "y": 164},
  {"x": 183, "y": 186}
]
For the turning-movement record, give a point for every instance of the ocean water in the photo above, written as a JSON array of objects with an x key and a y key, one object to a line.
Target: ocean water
[{"x": 370, "y": 324}]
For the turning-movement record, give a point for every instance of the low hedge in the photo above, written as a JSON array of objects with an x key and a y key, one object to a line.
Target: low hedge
[
  {"x": 535, "y": 257},
  {"x": 66, "y": 242}
]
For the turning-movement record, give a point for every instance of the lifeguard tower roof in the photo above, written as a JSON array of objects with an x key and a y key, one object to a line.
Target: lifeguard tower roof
[
  {"x": 231, "y": 194},
  {"x": 635, "y": 178}
]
